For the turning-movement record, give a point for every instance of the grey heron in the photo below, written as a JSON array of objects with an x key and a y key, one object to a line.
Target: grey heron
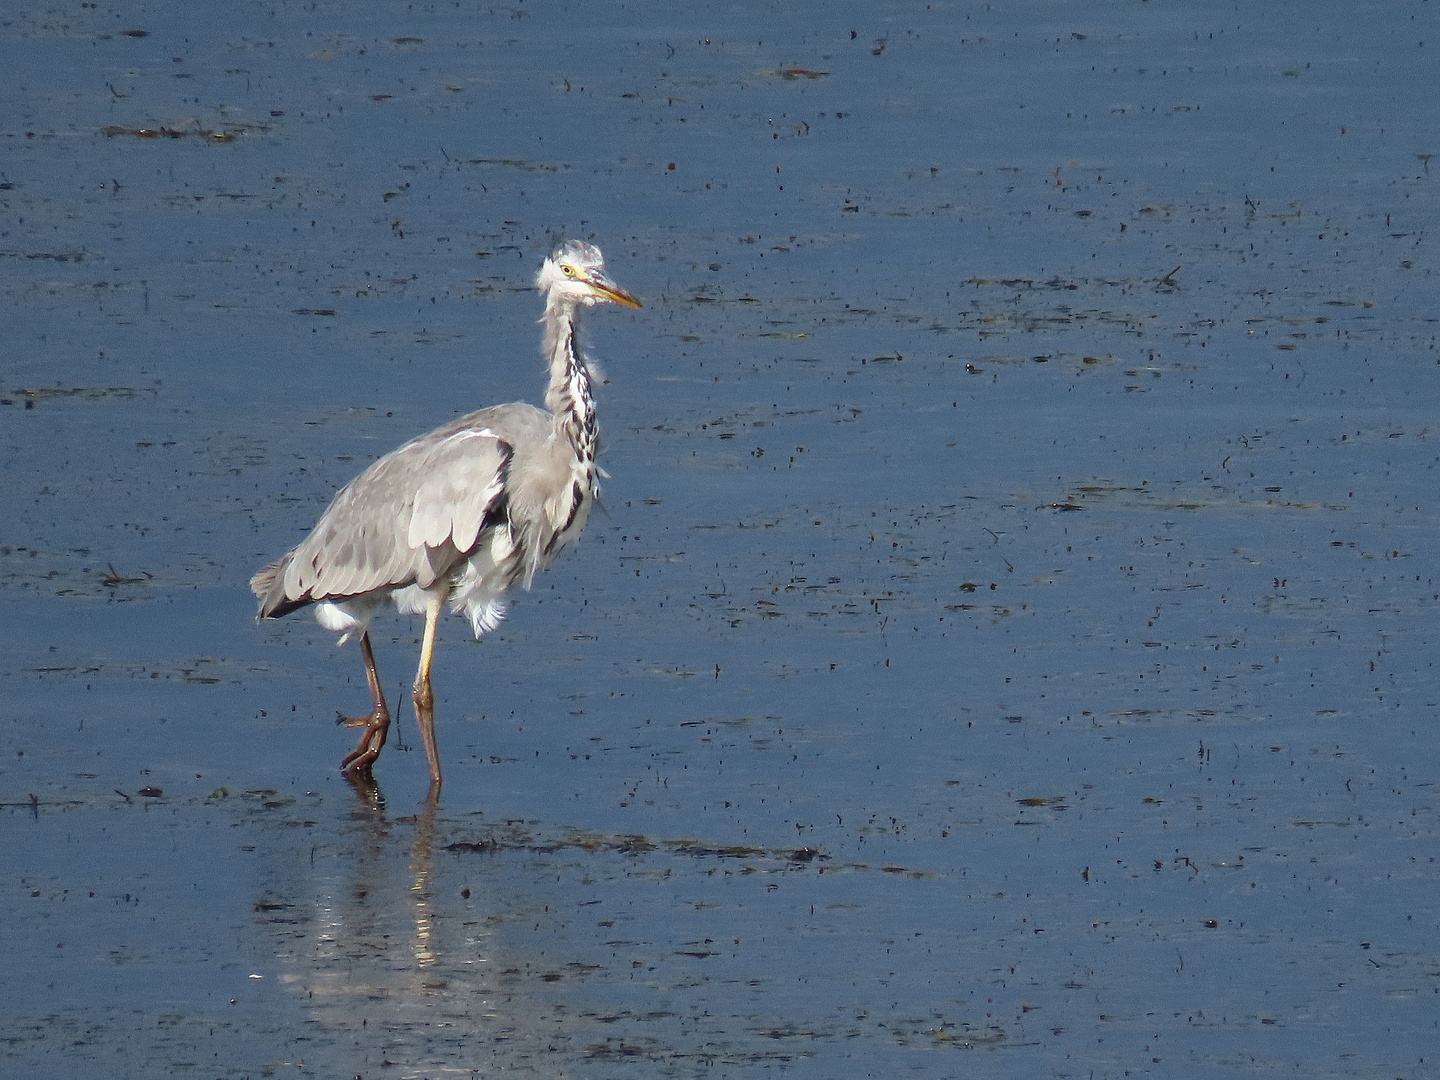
[{"x": 461, "y": 515}]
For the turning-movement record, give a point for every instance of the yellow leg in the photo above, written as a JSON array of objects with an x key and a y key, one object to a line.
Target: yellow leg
[
  {"x": 376, "y": 723},
  {"x": 422, "y": 695}
]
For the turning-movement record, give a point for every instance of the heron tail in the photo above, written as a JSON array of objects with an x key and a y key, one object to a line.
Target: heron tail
[{"x": 269, "y": 585}]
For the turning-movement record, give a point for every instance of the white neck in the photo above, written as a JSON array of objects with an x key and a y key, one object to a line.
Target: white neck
[{"x": 568, "y": 394}]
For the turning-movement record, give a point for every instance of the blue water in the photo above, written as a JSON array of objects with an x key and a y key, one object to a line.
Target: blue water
[{"x": 1008, "y": 646}]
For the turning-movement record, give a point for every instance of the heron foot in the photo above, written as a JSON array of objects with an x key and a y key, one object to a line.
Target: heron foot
[{"x": 372, "y": 740}]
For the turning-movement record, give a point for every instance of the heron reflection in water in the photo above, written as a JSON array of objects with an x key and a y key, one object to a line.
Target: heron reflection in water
[
  {"x": 460, "y": 515},
  {"x": 397, "y": 946}
]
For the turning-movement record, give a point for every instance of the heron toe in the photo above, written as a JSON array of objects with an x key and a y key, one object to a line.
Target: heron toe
[{"x": 372, "y": 739}]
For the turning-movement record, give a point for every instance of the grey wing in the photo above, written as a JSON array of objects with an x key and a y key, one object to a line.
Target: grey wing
[
  {"x": 541, "y": 496},
  {"x": 405, "y": 520}
]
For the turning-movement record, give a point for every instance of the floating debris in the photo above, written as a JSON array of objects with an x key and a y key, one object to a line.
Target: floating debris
[
  {"x": 794, "y": 73},
  {"x": 111, "y": 579},
  {"x": 518, "y": 163},
  {"x": 83, "y": 393},
  {"x": 52, "y": 256},
  {"x": 192, "y": 129},
  {"x": 629, "y": 844},
  {"x": 1042, "y": 800}
]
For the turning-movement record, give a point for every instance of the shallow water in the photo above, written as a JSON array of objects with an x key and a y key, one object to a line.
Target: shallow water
[{"x": 1008, "y": 647}]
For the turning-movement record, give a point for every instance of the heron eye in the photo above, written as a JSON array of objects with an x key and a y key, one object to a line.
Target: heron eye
[{"x": 569, "y": 271}]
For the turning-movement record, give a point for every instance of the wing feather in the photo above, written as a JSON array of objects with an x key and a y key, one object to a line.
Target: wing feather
[
  {"x": 462, "y": 477},
  {"x": 406, "y": 519}
]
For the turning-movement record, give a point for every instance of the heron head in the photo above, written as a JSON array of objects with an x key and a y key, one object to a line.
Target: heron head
[{"x": 575, "y": 271}]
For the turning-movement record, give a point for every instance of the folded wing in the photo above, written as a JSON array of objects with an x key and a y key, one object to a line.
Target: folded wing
[{"x": 408, "y": 519}]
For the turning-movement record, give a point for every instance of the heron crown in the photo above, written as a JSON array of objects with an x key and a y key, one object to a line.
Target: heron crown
[{"x": 567, "y": 271}]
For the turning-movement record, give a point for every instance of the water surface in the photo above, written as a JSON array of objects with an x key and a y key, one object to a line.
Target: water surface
[{"x": 1008, "y": 648}]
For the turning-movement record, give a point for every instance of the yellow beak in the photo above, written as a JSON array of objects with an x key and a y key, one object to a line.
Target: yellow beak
[{"x": 610, "y": 291}]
